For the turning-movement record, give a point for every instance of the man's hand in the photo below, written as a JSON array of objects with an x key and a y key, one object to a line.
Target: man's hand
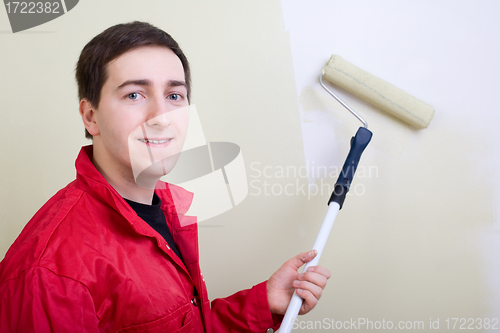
[{"x": 309, "y": 285}]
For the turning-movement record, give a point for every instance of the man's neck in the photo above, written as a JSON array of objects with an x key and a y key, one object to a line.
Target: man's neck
[
  {"x": 123, "y": 183},
  {"x": 133, "y": 192}
]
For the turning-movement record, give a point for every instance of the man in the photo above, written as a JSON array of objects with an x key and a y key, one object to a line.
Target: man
[{"x": 113, "y": 251}]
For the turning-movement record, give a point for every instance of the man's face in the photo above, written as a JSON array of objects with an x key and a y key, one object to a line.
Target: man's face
[{"x": 142, "y": 116}]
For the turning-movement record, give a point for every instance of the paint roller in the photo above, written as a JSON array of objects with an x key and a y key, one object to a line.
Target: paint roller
[
  {"x": 382, "y": 95},
  {"x": 378, "y": 92}
]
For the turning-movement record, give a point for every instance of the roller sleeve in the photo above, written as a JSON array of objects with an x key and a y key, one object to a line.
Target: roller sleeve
[{"x": 378, "y": 92}]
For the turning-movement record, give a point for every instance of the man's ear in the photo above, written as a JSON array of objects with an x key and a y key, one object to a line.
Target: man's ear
[{"x": 88, "y": 113}]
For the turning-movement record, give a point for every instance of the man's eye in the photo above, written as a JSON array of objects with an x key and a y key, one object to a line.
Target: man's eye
[
  {"x": 174, "y": 97},
  {"x": 134, "y": 96}
]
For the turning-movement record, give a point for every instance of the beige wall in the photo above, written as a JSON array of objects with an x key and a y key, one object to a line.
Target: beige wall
[{"x": 420, "y": 242}]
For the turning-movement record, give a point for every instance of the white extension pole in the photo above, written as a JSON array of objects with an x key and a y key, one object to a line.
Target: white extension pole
[{"x": 296, "y": 301}]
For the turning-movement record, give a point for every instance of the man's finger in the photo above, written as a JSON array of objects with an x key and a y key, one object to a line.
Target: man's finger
[
  {"x": 302, "y": 259},
  {"x": 320, "y": 270},
  {"x": 314, "y": 278},
  {"x": 310, "y": 301},
  {"x": 314, "y": 289}
]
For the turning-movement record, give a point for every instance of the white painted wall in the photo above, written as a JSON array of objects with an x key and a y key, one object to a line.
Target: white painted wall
[{"x": 424, "y": 243}]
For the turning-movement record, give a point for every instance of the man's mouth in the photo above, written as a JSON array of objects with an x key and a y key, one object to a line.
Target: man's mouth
[{"x": 155, "y": 141}]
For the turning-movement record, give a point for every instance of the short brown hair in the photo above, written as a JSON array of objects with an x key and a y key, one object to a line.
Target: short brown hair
[{"x": 91, "y": 71}]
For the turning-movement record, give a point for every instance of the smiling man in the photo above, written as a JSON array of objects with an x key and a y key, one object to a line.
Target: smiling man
[
  {"x": 142, "y": 114},
  {"x": 108, "y": 253}
]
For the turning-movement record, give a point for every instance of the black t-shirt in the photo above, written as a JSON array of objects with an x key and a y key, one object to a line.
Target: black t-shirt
[{"x": 154, "y": 216}]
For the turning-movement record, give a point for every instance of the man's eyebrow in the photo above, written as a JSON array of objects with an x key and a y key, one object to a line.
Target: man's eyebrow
[
  {"x": 175, "y": 83},
  {"x": 140, "y": 82},
  {"x": 148, "y": 83}
]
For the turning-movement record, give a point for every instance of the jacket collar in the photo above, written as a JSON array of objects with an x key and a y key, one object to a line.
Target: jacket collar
[
  {"x": 175, "y": 199},
  {"x": 175, "y": 203}
]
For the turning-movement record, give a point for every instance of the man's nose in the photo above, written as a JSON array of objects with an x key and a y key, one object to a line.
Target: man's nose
[{"x": 159, "y": 114}]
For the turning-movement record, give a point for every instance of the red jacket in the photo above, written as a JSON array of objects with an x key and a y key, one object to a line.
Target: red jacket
[{"x": 87, "y": 263}]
